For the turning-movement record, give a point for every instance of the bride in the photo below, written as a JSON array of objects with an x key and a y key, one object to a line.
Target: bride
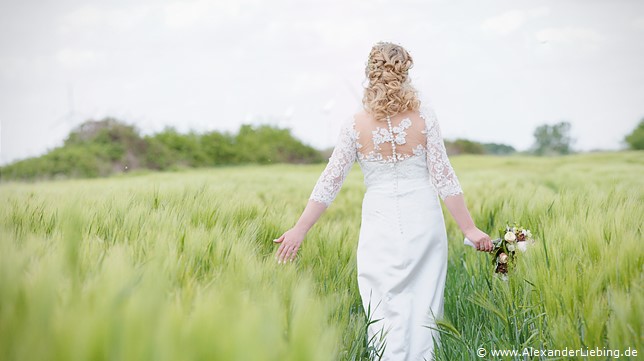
[{"x": 402, "y": 245}]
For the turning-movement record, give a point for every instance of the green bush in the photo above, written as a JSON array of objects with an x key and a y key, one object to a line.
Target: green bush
[
  {"x": 100, "y": 148},
  {"x": 185, "y": 147},
  {"x": 498, "y": 149},
  {"x": 265, "y": 144},
  {"x": 219, "y": 148},
  {"x": 464, "y": 146},
  {"x": 635, "y": 140}
]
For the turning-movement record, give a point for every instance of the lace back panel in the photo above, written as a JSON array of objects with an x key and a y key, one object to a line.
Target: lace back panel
[
  {"x": 413, "y": 134},
  {"x": 378, "y": 142}
]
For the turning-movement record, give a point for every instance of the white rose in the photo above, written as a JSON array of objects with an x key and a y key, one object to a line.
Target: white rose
[
  {"x": 510, "y": 237},
  {"x": 503, "y": 258},
  {"x": 510, "y": 247}
]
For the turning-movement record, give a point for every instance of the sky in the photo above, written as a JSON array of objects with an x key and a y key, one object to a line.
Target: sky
[{"x": 492, "y": 70}]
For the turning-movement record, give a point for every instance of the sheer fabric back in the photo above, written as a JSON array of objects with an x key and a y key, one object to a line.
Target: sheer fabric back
[
  {"x": 374, "y": 137},
  {"x": 406, "y": 135}
]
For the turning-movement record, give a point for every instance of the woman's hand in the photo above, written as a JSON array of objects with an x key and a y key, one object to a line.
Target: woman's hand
[
  {"x": 290, "y": 243},
  {"x": 481, "y": 240},
  {"x": 456, "y": 206}
]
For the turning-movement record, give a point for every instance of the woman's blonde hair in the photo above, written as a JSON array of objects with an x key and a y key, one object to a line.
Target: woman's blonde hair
[{"x": 389, "y": 91}]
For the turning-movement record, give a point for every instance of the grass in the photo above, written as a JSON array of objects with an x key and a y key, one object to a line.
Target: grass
[{"x": 179, "y": 266}]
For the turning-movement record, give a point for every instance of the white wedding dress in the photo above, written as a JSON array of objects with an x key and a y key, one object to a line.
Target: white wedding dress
[{"x": 402, "y": 247}]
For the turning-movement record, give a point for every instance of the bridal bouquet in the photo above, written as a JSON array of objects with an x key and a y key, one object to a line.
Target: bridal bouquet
[{"x": 512, "y": 239}]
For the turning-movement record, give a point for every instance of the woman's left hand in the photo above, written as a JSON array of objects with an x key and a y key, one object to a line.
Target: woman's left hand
[
  {"x": 481, "y": 240},
  {"x": 290, "y": 243}
]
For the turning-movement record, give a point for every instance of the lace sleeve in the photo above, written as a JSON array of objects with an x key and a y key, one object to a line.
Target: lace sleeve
[
  {"x": 440, "y": 169},
  {"x": 340, "y": 163}
]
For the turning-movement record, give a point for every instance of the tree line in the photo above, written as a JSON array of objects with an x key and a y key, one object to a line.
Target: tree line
[
  {"x": 107, "y": 146},
  {"x": 99, "y": 148}
]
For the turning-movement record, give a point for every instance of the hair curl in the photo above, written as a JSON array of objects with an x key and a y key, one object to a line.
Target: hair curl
[{"x": 389, "y": 91}]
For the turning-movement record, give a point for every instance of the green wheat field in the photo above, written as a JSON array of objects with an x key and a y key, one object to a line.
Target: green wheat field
[{"x": 180, "y": 265}]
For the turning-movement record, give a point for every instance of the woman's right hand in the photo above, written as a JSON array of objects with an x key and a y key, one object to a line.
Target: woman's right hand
[
  {"x": 290, "y": 243},
  {"x": 481, "y": 240}
]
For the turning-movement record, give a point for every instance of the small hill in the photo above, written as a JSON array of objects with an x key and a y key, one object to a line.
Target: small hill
[{"x": 99, "y": 148}]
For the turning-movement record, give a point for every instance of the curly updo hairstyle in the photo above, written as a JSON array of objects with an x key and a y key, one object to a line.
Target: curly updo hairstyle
[{"x": 389, "y": 91}]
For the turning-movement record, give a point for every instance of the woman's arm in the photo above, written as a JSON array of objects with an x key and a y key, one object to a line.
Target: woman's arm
[
  {"x": 310, "y": 215},
  {"x": 456, "y": 206},
  {"x": 326, "y": 189},
  {"x": 293, "y": 238},
  {"x": 447, "y": 185}
]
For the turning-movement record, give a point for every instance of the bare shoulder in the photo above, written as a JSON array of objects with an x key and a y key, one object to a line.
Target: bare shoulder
[{"x": 362, "y": 114}]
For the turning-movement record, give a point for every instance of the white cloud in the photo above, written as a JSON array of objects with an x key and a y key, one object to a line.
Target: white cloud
[
  {"x": 638, "y": 23},
  {"x": 505, "y": 23},
  {"x": 126, "y": 19},
  {"x": 82, "y": 18},
  {"x": 10, "y": 66},
  {"x": 184, "y": 13},
  {"x": 92, "y": 17},
  {"x": 569, "y": 34},
  {"x": 181, "y": 14},
  {"x": 537, "y": 12},
  {"x": 512, "y": 20},
  {"x": 76, "y": 58},
  {"x": 342, "y": 34}
]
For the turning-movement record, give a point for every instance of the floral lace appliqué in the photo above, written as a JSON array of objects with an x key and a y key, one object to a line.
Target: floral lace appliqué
[
  {"x": 346, "y": 152},
  {"x": 397, "y": 134},
  {"x": 382, "y": 135},
  {"x": 344, "y": 155},
  {"x": 440, "y": 169}
]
